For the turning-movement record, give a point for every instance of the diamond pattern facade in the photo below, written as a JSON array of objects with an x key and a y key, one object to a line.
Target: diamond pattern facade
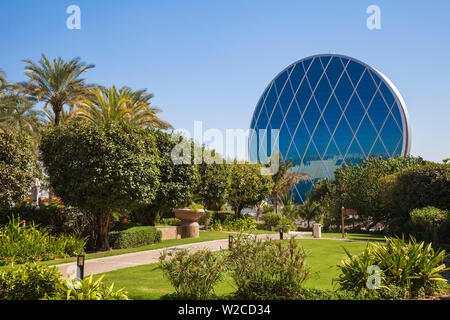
[{"x": 329, "y": 109}]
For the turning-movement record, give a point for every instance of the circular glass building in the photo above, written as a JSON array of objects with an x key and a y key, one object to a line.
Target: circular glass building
[{"x": 326, "y": 110}]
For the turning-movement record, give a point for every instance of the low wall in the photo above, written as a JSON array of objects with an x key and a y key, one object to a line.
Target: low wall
[
  {"x": 178, "y": 232},
  {"x": 169, "y": 232}
]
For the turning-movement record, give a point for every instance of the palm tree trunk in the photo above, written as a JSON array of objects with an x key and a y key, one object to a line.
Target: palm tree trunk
[{"x": 57, "y": 109}]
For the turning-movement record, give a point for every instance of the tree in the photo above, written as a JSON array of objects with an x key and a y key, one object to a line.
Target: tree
[
  {"x": 109, "y": 105},
  {"x": 417, "y": 187},
  {"x": 17, "y": 113},
  {"x": 309, "y": 210},
  {"x": 357, "y": 187},
  {"x": 214, "y": 184},
  {"x": 289, "y": 208},
  {"x": 17, "y": 167},
  {"x": 284, "y": 181},
  {"x": 56, "y": 84},
  {"x": 178, "y": 182},
  {"x": 101, "y": 169},
  {"x": 247, "y": 186}
]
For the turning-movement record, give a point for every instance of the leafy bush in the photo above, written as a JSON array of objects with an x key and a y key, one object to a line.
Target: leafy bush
[
  {"x": 56, "y": 218},
  {"x": 17, "y": 167},
  {"x": 431, "y": 219},
  {"x": 418, "y": 187},
  {"x": 19, "y": 244},
  {"x": 413, "y": 267},
  {"x": 193, "y": 275},
  {"x": 170, "y": 221},
  {"x": 272, "y": 219},
  {"x": 134, "y": 237},
  {"x": 89, "y": 289},
  {"x": 326, "y": 294},
  {"x": 205, "y": 219},
  {"x": 269, "y": 269},
  {"x": 286, "y": 224},
  {"x": 221, "y": 216},
  {"x": 30, "y": 282}
]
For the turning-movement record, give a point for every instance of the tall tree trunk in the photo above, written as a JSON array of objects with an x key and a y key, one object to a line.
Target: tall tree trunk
[
  {"x": 275, "y": 204},
  {"x": 103, "y": 225},
  {"x": 57, "y": 109}
]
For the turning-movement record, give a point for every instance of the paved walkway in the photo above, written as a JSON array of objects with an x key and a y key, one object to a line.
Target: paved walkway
[{"x": 101, "y": 265}]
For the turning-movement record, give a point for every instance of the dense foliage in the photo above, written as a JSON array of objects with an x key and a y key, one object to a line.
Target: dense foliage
[
  {"x": 178, "y": 182},
  {"x": 193, "y": 275},
  {"x": 214, "y": 184},
  {"x": 247, "y": 187},
  {"x": 89, "y": 289},
  {"x": 101, "y": 168},
  {"x": 268, "y": 269},
  {"x": 411, "y": 267},
  {"x": 17, "y": 168},
  {"x": 20, "y": 244},
  {"x": 30, "y": 282},
  {"x": 357, "y": 187},
  {"x": 134, "y": 237}
]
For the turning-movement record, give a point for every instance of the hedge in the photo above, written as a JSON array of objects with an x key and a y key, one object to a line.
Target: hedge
[
  {"x": 221, "y": 216},
  {"x": 134, "y": 237}
]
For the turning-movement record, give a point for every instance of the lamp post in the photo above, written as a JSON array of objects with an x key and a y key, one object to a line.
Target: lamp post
[
  {"x": 80, "y": 266},
  {"x": 281, "y": 233},
  {"x": 230, "y": 241}
]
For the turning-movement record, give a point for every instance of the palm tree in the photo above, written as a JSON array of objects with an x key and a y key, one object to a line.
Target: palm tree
[
  {"x": 290, "y": 209},
  {"x": 284, "y": 181},
  {"x": 17, "y": 113},
  {"x": 111, "y": 105},
  {"x": 309, "y": 210},
  {"x": 56, "y": 84}
]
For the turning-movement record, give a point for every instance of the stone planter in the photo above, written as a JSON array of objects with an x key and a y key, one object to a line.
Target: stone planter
[{"x": 189, "y": 225}]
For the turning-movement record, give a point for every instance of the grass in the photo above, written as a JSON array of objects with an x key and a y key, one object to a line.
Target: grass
[
  {"x": 147, "y": 281},
  {"x": 354, "y": 236}
]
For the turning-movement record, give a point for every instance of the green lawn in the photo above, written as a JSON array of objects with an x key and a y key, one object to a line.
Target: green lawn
[
  {"x": 356, "y": 236},
  {"x": 147, "y": 281}
]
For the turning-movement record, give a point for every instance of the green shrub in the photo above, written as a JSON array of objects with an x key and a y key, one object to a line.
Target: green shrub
[
  {"x": 134, "y": 237},
  {"x": 326, "y": 294},
  {"x": 193, "y": 276},
  {"x": 205, "y": 219},
  {"x": 413, "y": 267},
  {"x": 420, "y": 186},
  {"x": 30, "y": 282},
  {"x": 286, "y": 224},
  {"x": 431, "y": 219},
  {"x": 89, "y": 289},
  {"x": 19, "y": 244},
  {"x": 221, "y": 216},
  {"x": 270, "y": 269},
  {"x": 272, "y": 220},
  {"x": 170, "y": 221},
  {"x": 246, "y": 223},
  {"x": 55, "y": 218}
]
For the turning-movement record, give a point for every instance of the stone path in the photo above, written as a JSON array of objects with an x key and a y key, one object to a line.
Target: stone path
[{"x": 101, "y": 265}]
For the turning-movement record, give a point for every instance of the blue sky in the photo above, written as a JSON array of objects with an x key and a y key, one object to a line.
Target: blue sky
[{"x": 211, "y": 60}]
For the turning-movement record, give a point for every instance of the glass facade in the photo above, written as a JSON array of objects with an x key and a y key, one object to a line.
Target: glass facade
[{"x": 328, "y": 109}]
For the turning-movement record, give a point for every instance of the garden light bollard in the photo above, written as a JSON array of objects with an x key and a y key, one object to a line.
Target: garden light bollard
[
  {"x": 80, "y": 267},
  {"x": 230, "y": 241},
  {"x": 281, "y": 233}
]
